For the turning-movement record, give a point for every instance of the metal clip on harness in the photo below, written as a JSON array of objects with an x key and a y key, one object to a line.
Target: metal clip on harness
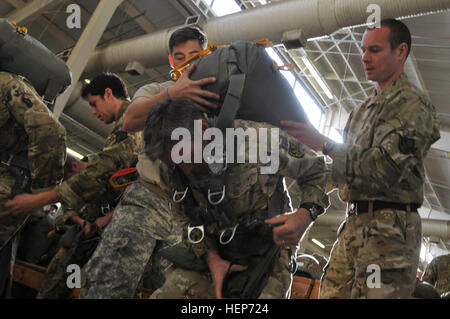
[
  {"x": 177, "y": 193},
  {"x": 225, "y": 231},
  {"x": 191, "y": 229},
  {"x": 210, "y": 195}
]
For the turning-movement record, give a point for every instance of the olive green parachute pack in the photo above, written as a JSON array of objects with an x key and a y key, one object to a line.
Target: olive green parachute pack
[
  {"x": 23, "y": 55},
  {"x": 250, "y": 85}
]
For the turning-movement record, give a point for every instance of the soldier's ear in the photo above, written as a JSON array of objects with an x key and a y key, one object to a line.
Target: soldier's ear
[
  {"x": 403, "y": 51},
  {"x": 108, "y": 93}
]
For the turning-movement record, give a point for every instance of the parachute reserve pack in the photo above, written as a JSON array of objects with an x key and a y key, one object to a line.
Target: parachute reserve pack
[
  {"x": 266, "y": 95},
  {"x": 23, "y": 55}
]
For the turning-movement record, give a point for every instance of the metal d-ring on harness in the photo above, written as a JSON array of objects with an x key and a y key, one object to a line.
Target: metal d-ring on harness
[
  {"x": 176, "y": 194},
  {"x": 225, "y": 231},
  {"x": 222, "y": 209}
]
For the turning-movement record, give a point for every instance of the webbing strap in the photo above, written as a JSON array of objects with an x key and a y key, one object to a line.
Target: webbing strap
[
  {"x": 232, "y": 102},
  {"x": 154, "y": 189},
  {"x": 276, "y": 203}
]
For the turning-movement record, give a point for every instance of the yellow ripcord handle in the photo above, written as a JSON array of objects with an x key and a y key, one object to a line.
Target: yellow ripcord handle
[
  {"x": 122, "y": 172},
  {"x": 52, "y": 232},
  {"x": 21, "y": 30},
  {"x": 175, "y": 73}
]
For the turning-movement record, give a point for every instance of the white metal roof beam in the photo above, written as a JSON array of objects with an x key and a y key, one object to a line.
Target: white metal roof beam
[
  {"x": 85, "y": 46},
  {"x": 337, "y": 76},
  {"x": 29, "y": 10},
  {"x": 349, "y": 67}
]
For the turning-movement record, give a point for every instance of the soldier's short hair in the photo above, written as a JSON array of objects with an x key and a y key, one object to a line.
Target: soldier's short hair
[
  {"x": 100, "y": 83},
  {"x": 68, "y": 171},
  {"x": 185, "y": 34},
  {"x": 163, "y": 118},
  {"x": 398, "y": 34}
]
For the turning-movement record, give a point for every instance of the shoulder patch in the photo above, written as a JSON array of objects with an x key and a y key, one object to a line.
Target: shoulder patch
[
  {"x": 407, "y": 143},
  {"x": 295, "y": 151}
]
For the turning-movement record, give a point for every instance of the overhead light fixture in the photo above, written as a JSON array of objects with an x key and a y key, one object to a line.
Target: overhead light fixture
[
  {"x": 87, "y": 81},
  {"x": 317, "y": 76},
  {"x": 318, "y": 243},
  {"x": 73, "y": 153}
]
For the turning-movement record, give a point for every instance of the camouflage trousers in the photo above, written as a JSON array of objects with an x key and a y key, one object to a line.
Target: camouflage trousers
[
  {"x": 54, "y": 283},
  {"x": 186, "y": 284},
  {"x": 140, "y": 220},
  {"x": 9, "y": 226},
  {"x": 376, "y": 255}
]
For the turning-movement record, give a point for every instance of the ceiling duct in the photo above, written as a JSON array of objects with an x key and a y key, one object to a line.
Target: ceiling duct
[{"x": 314, "y": 17}]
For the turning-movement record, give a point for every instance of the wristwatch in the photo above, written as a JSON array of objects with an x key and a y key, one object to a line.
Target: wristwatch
[
  {"x": 314, "y": 210},
  {"x": 328, "y": 146}
]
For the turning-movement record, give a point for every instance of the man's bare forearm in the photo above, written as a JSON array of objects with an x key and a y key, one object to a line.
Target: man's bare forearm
[{"x": 136, "y": 113}]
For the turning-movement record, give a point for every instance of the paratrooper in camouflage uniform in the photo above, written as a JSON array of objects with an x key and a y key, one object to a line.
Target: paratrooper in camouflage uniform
[
  {"x": 437, "y": 273},
  {"x": 32, "y": 146},
  {"x": 108, "y": 96},
  {"x": 380, "y": 172},
  {"x": 248, "y": 191}
]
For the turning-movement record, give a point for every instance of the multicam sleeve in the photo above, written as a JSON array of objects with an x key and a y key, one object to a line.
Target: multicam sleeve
[
  {"x": 401, "y": 141},
  {"x": 307, "y": 168},
  {"x": 430, "y": 274},
  {"x": 46, "y": 136},
  {"x": 287, "y": 157},
  {"x": 120, "y": 152}
]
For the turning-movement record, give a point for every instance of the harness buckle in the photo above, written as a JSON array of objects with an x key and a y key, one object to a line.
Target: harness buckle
[
  {"x": 201, "y": 228},
  {"x": 226, "y": 231},
  {"x": 210, "y": 195},
  {"x": 177, "y": 193},
  {"x": 106, "y": 209}
]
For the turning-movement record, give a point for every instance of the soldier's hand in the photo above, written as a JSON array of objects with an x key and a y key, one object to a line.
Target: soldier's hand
[
  {"x": 192, "y": 90},
  {"x": 292, "y": 228},
  {"x": 103, "y": 221},
  {"x": 305, "y": 133},
  {"x": 219, "y": 269},
  {"x": 25, "y": 204},
  {"x": 87, "y": 228}
]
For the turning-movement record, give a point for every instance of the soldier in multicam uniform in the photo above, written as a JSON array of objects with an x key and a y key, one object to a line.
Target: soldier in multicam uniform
[
  {"x": 83, "y": 230},
  {"x": 249, "y": 198},
  {"x": 108, "y": 96},
  {"x": 380, "y": 173},
  {"x": 32, "y": 149},
  {"x": 144, "y": 216},
  {"x": 438, "y": 273}
]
